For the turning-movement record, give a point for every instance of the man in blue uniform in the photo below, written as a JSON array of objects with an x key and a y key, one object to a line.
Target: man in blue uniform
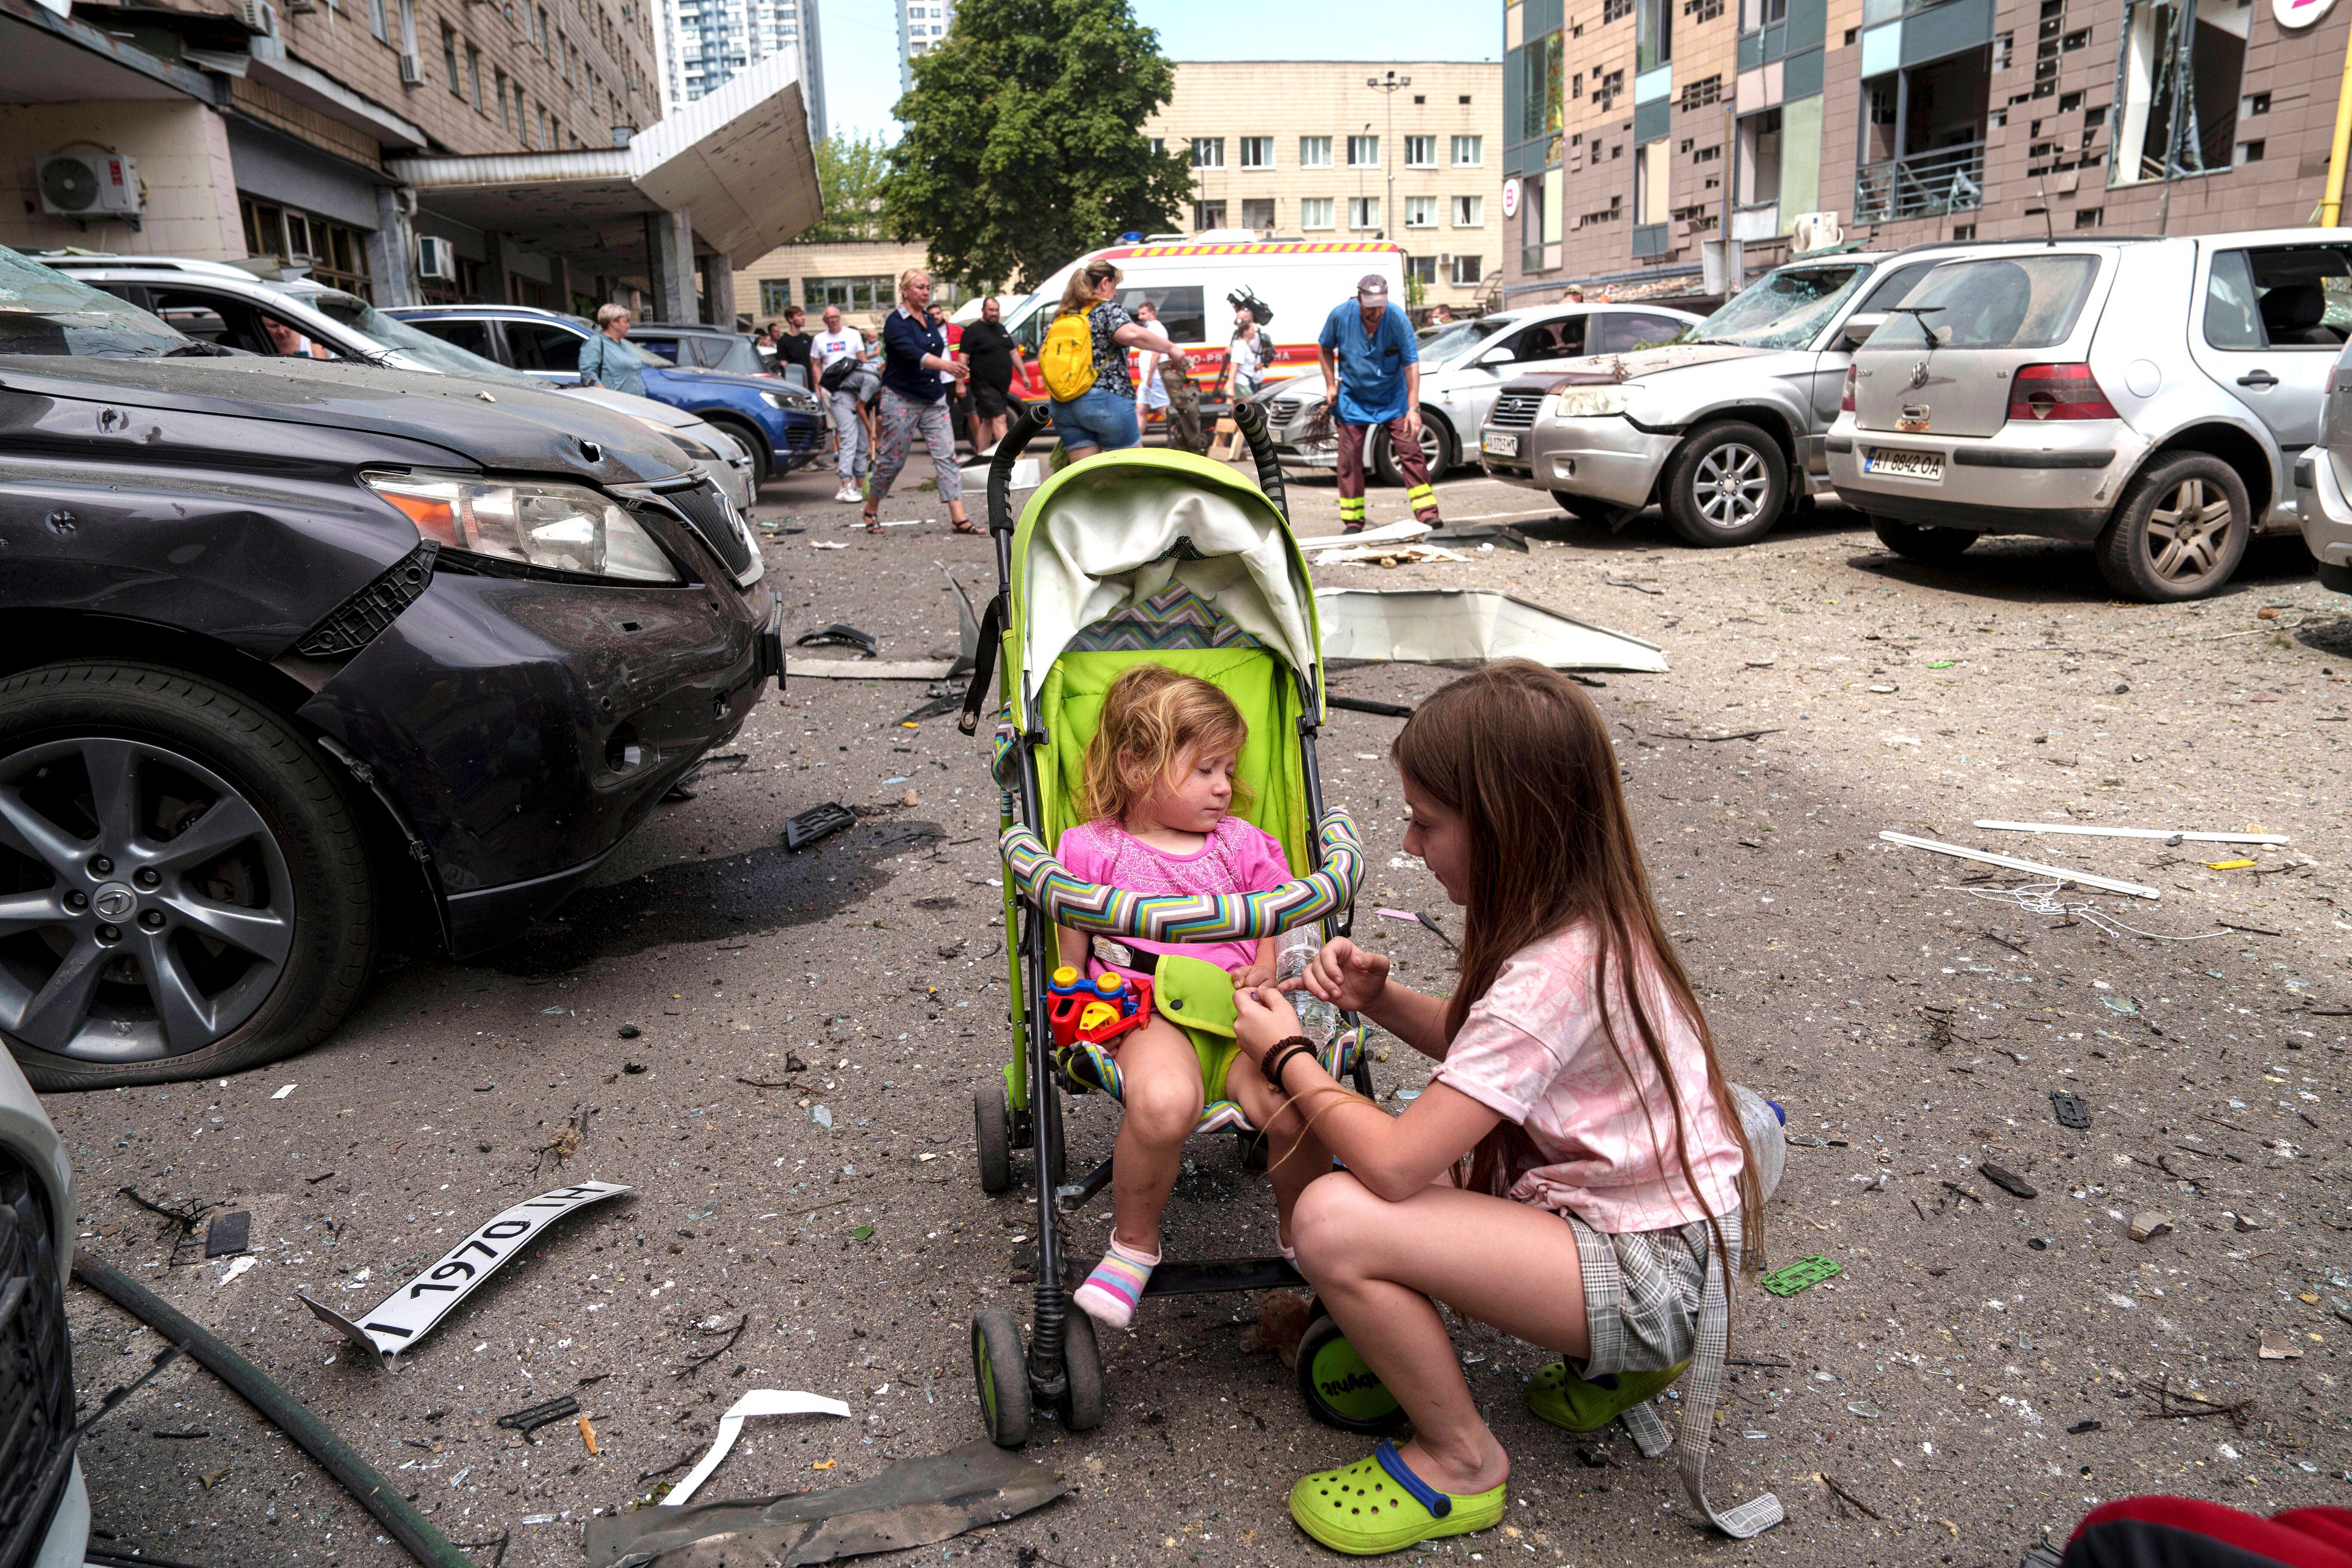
[{"x": 1371, "y": 377}]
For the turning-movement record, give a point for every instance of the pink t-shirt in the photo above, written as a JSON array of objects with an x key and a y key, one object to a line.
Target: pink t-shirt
[
  {"x": 1237, "y": 858},
  {"x": 1534, "y": 1050}
]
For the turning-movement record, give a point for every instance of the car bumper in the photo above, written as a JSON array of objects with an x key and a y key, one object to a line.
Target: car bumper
[
  {"x": 2056, "y": 481},
  {"x": 1611, "y": 459},
  {"x": 522, "y": 727},
  {"x": 2326, "y": 514},
  {"x": 67, "y": 1539}
]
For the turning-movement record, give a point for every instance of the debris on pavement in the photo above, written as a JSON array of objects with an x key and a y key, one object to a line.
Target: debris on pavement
[
  {"x": 1407, "y": 532},
  {"x": 228, "y": 1234},
  {"x": 1387, "y": 555},
  {"x": 757, "y": 1402},
  {"x": 840, "y": 633},
  {"x": 2278, "y": 1347},
  {"x": 588, "y": 1436},
  {"x": 2008, "y": 1180},
  {"x": 2168, "y": 836},
  {"x": 2070, "y": 1110},
  {"x": 1433, "y": 626},
  {"x": 869, "y": 670},
  {"x": 2147, "y": 1225},
  {"x": 409, "y": 1313},
  {"x": 2011, "y": 863},
  {"x": 915, "y": 1503},
  {"x": 817, "y": 822},
  {"x": 530, "y": 1418},
  {"x": 1802, "y": 1274}
]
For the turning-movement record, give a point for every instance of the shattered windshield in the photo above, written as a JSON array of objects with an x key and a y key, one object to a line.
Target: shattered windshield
[
  {"x": 1786, "y": 309},
  {"x": 1450, "y": 341},
  {"x": 392, "y": 332},
  {"x": 43, "y": 311}
]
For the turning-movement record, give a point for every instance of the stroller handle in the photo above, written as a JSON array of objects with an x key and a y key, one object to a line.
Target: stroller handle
[
  {"x": 1250, "y": 419},
  {"x": 1034, "y": 419}
]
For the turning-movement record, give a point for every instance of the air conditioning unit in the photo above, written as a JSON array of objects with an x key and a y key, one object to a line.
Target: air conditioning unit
[
  {"x": 1808, "y": 232},
  {"x": 302, "y": 6},
  {"x": 258, "y": 17},
  {"x": 412, "y": 69},
  {"x": 435, "y": 259},
  {"x": 88, "y": 184}
]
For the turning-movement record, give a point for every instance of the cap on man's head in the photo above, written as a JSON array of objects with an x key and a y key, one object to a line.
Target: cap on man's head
[{"x": 1372, "y": 289}]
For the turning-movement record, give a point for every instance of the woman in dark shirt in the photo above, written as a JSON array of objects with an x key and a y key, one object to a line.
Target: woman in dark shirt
[{"x": 914, "y": 401}]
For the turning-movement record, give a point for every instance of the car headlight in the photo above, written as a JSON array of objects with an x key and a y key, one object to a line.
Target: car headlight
[
  {"x": 559, "y": 527},
  {"x": 700, "y": 451},
  {"x": 797, "y": 402},
  {"x": 1590, "y": 402}
]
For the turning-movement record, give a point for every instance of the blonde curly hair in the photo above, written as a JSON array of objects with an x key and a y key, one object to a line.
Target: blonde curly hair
[{"x": 1149, "y": 716}]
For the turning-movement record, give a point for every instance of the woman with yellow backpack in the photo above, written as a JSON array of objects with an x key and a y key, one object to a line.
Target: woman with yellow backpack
[{"x": 1084, "y": 363}]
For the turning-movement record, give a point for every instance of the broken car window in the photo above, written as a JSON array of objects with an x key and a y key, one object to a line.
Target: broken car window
[
  {"x": 1786, "y": 309},
  {"x": 43, "y": 311}
]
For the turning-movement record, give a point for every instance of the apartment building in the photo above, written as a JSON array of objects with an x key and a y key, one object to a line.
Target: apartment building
[
  {"x": 922, "y": 25},
  {"x": 524, "y": 139},
  {"x": 861, "y": 275},
  {"x": 705, "y": 43},
  {"x": 1312, "y": 150},
  {"x": 1643, "y": 132}
]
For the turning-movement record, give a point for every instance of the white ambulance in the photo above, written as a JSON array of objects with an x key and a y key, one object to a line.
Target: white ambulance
[{"x": 1192, "y": 281}]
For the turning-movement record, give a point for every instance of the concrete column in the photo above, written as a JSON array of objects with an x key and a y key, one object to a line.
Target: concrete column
[
  {"x": 560, "y": 272},
  {"x": 669, "y": 246},
  {"x": 718, "y": 289},
  {"x": 392, "y": 249},
  {"x": 496, "y": 282}
]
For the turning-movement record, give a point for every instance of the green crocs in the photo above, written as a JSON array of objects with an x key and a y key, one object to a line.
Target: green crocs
[
  {"x": 1381, "y": 1506},
  {"x": 1559, "y": 1396}
]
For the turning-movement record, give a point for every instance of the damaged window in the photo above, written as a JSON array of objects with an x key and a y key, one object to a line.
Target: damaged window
[
  {"x": 43, "y": 311},
  {"x": 2280, "y": 297},
  {"x": 2017, "y": 303},
  {"x": 2181, "y": 68},
  {"x": 1784, "y": 310}
]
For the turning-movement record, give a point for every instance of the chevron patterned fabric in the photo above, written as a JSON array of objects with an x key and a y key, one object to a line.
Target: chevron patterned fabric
[
  {"x": 1097, "y": 909},
  {"x": 1175, "y": 618}
]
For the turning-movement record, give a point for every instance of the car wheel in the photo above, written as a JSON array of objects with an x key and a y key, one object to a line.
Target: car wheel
[
  {"x": 1591, "y": 508},
  {"x": 2180, "y": 532},
  {"x": 763, "y": 460},
  {"x": 1921, "y": 543},
  {"x": 1726, "y": 485},
  {"x": 184, "y": 890},
  {"x": 1436, "y": 451}
]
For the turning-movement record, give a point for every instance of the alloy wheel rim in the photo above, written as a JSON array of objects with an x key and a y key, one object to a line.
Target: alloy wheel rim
[
  {"x": 2185, "y": 532},
  {"x": 1729, "y": 486},
  {"x": 146, "y": 909}
]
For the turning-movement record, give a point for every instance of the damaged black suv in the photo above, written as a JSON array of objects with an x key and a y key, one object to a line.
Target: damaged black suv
[{"x": 295, "y": 654}]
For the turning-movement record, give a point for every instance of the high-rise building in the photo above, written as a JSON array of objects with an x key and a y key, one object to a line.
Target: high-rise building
[
  {"x": 707, "y": 41},
  {"x": 922, "y": 24}
]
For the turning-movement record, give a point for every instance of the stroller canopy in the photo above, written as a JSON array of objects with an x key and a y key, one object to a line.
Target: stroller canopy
[{"x": 1128, "y": 546}]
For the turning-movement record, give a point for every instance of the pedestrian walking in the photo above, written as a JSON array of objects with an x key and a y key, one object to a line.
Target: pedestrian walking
[
  {"x": 915, "y": 379},
  {"x": 1245, "y": 358},
  {"x": 988, "y": 348},
  {"x": 605, "y": 360},
  {"x": 839, "y": 345},
  {"x": 1150, "y": 395},
  {"x": 792, "y": 343},
  {"x": 1093, "y": 399},
  {"x": 1372, "y": 378}
]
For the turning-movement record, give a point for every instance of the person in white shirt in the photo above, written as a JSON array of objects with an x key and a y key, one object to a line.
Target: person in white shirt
[{"x": 853, "y": 459}]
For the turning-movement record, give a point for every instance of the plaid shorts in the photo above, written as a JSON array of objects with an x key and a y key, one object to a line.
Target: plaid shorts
[{"x": 1642, "y": 1294}]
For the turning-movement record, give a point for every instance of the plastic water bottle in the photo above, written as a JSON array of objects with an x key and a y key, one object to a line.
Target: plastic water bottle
[
  {"x": 1293, "y": 951},
  {"x": 1762, "y": 1120}
]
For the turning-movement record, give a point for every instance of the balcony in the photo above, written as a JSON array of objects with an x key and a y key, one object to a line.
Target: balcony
[{"x": 1925, "y": 184}]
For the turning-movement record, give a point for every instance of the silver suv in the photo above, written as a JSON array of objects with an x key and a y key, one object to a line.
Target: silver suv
[
  {"x": 2148, "y": 395},
  {"x": 1464, "y": 364},
  {"x": 1722, "y": 426}
]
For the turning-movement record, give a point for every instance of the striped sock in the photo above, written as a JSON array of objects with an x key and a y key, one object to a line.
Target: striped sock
[{"x": 1111, "y": 1291}]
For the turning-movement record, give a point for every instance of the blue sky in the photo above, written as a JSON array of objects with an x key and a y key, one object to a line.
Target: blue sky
[{"x": 861, "y": 41}]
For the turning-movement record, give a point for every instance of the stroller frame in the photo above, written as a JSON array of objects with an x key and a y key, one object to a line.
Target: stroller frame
[{"x": 1061, "y": 1368}]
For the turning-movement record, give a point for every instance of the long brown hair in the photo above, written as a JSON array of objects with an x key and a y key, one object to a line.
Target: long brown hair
[
  {"x": 1520, "y": 754},
  {"x": 1078, "y": 293}
]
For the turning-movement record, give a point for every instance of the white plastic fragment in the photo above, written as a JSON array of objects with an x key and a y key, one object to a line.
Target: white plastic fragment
[
  {"x": 2080, "y": 830},
  {"x": 2011, "y": 862},
  {"x": 758, "y": 1401},
  {"x": 283, "y": 1092}
]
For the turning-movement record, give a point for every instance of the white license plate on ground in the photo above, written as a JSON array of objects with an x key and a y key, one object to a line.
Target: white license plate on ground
[
  {"x": 1928, "y": 466},
  {"x": 1503, "y": 446}
]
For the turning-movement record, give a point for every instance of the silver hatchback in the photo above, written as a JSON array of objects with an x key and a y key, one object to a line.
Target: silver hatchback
[{"x": 2145, "y": 396}]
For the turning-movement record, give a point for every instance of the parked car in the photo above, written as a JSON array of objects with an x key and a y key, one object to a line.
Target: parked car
[
  {"x": 783, "y": 425},
  {"x": 2323, "y": 483},
  {"x": 293, "y": 653},
  {"x": 2150, "y": 396},
  {"x": 1463, "y": 366},
  {"x": 49, "y": 1505},
  {"x": 219, "y": 303},
  {"x": 693, "y": 345},
  {"x": 1724, "y": 426}
]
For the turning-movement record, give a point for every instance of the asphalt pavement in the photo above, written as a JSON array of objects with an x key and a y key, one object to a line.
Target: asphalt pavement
[{"x": 777, "y": 1053}]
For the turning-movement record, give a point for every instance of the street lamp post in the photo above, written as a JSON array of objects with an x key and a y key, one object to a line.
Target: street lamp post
[{"x": 1390, "y": 84}]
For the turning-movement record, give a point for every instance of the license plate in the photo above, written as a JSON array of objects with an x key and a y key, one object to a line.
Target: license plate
[
  {"x": 1503, "y": 446},
  {"x": 1928, "y": 466}
]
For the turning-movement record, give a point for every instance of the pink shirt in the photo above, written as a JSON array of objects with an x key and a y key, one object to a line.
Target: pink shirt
[
  {"x": 1237, "y": 858},
  {"x": 1533, "y": 1048}
]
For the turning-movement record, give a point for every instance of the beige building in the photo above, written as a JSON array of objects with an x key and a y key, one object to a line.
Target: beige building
[
  {"x": 1307, "y": 150},
  {"x": 859, "y": 276}
]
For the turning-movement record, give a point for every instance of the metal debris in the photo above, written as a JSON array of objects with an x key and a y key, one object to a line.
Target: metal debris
[{"x": 1432, "y": 626}]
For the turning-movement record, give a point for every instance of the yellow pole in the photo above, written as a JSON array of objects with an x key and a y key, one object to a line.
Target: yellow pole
[{"x": 2331, "y": 206}]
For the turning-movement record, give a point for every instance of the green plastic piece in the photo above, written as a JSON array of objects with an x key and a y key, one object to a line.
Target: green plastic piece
[
  {"x": 1559, "y": 1396},
  {"x": 1802, "y": 1274}
]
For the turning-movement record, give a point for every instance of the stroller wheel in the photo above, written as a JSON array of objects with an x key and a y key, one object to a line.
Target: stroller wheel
[
  {"x": 994, "y": 1137},
  {"x": 1340, "y": 1389},
  {"x": 1002, "y": 1374},
  {"x": 1084, "y": 1403}
]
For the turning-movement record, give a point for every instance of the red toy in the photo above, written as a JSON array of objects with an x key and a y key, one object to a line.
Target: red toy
[{"x": 1096, "y": 1012}]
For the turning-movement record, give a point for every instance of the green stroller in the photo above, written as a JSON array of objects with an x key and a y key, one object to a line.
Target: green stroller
[{"x": 1164, "y": 556}]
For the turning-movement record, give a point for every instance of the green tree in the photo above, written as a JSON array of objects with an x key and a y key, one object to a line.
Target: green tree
[
  {"x": 1023, "y": 144},
  {"x": 849, "y": 171}
]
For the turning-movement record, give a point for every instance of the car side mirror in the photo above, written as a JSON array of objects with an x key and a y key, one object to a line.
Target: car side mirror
[
  {"x": 1859, "y": 326},
  {"x": 1496, "y": 355}
]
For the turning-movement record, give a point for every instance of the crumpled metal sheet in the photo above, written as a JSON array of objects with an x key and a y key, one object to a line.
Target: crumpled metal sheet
[
  {"x": 915, "y": 1503},
  {"x": 1434, "y": 626}
]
